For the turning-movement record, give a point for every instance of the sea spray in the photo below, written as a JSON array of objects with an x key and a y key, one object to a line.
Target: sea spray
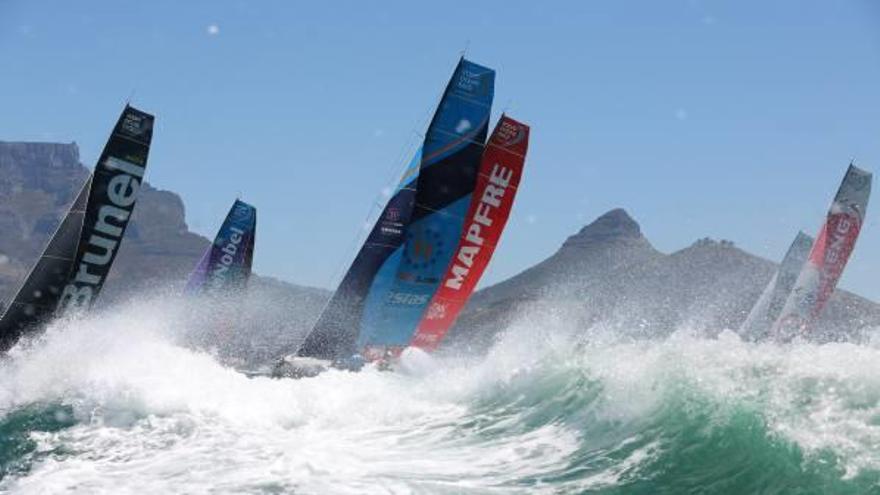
[{"x": 121, "y": 402}]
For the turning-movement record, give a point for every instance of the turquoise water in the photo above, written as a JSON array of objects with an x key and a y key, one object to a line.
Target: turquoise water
[{"x": 112, "y": 405}]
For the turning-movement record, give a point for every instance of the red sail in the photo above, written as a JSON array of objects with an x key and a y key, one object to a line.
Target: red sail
[
  {"x": 500, "y": 172},
  {"x": 836, "y": 240}
]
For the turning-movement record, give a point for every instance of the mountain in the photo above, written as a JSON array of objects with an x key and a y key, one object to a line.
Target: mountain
[
  {"x": 609, "y": 274},
  {"x": 38, "y": 182}
]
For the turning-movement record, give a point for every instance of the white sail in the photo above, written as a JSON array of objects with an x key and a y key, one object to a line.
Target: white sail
[
  {"x": 768, "y": 307},
  {"x": 833, "y": 246}
]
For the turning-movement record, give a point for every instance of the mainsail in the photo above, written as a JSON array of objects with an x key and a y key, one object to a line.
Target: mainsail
[
  {"x": 500, "y": 172},
  {"x": 334, "y": 335},
  {"x": 226, "y": 264},
  {"x": 833, "y": 246},
  {"x": 73, "y": 267},
  {"x": 768, "y": 307},
  {"x": 448, "y": 174}
]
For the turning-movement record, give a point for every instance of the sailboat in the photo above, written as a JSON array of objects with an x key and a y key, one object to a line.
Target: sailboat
[
  {"x": 500, "y": 172},
  {"x": 226, "y": 264},
  {"x": 450, "y": 167},
  {"x": 69, "y": 275},
  {"x": 824, "y": 266},
  {"x": 769, "y": 305},
  {"x": 383, "y": 294}
]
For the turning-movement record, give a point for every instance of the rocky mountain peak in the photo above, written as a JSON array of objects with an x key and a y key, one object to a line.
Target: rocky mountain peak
[
  {"x": 615, "y": 224},
  {"x": 50, "y": 155}
]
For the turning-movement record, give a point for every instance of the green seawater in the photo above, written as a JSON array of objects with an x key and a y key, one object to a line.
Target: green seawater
[{"x": 681, "y": 414}]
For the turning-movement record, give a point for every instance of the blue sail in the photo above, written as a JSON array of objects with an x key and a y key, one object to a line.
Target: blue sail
[
  {"x": 451, "y": 158},
  {"x": 227, "y": 262},
  {"x": 334, "y": 335}
]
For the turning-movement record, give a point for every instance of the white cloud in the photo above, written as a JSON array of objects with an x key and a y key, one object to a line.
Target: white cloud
[{"x": 213, "y": 30}]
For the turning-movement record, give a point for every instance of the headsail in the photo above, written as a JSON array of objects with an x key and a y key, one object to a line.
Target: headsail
[
  {"x": 74, "y": 265},
  {"x": 500, "y": 172},
  {"x": 452, "y": 150},
  {"x": 829, "y": 255},
  {"x": 38, "y": 296},
  {"x": 226, "y": 264},
  {"x": 335, "y": 333},
  {"x": 768, "y": 307}
]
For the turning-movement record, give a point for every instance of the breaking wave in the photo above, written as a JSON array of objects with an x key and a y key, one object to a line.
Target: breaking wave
[{"x": 115, "y": 404}]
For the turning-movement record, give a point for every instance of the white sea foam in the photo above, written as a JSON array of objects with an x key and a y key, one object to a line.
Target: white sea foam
[{"x": 153, "y": 416}]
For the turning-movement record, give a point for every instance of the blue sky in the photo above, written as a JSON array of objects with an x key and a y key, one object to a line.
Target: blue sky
[{"x": 733, "y": 120}]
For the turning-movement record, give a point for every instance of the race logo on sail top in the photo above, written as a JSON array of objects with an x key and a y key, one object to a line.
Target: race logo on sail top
[{"x": 242, "y": 214}]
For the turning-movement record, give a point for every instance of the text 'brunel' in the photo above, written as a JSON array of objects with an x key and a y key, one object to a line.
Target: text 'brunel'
[
  {"x": 229, "y": 251},
  {"x": 122, "y": 191}
]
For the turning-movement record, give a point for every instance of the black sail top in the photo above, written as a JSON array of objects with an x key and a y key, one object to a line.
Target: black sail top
[{"x": 74, "y": 265}]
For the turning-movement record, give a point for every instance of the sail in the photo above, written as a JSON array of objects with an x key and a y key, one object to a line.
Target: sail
[
  {"x": 335, "y": 333},
  {"x": 448, "y": 174},
  {"x": 500, "y": 172},
  {"x": 226, "y": 264},
  {"x": 38, "y": 296},
  {"x": 769, "y": 305},
  {"x": 833, "y": 246},
  {"x": 74, "y": 265}
]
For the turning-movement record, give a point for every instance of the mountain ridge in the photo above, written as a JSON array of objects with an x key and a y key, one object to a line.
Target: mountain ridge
[
  {"x": 611, "y": 274},
  {"x": 608, "y": 271}
]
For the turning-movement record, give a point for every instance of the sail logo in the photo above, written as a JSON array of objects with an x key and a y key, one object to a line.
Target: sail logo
[
  {"x": 134, "y": 125},
  {"x": 229, "y": 254},
  {"x": 436, "y": 311},
  {"x": 473, "y": 82},
  {"x": 391, "y": 224},
  {"x": 510, "y": 134},
  {"x": 423, "y": 248},
  {"x": 407, "y": 299},
  {"x": 393, "y": 215},
  {"x": 837, "y": 245},
  {"x": 242, "y": 214},
  {"x": 106, "y": 233},
  {"x": 490, "y": 200}
]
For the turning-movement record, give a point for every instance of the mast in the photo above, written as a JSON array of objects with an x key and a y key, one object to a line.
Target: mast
[
  {"x": 828, "y": 257},
  {"x": 73, "y": 267}
]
